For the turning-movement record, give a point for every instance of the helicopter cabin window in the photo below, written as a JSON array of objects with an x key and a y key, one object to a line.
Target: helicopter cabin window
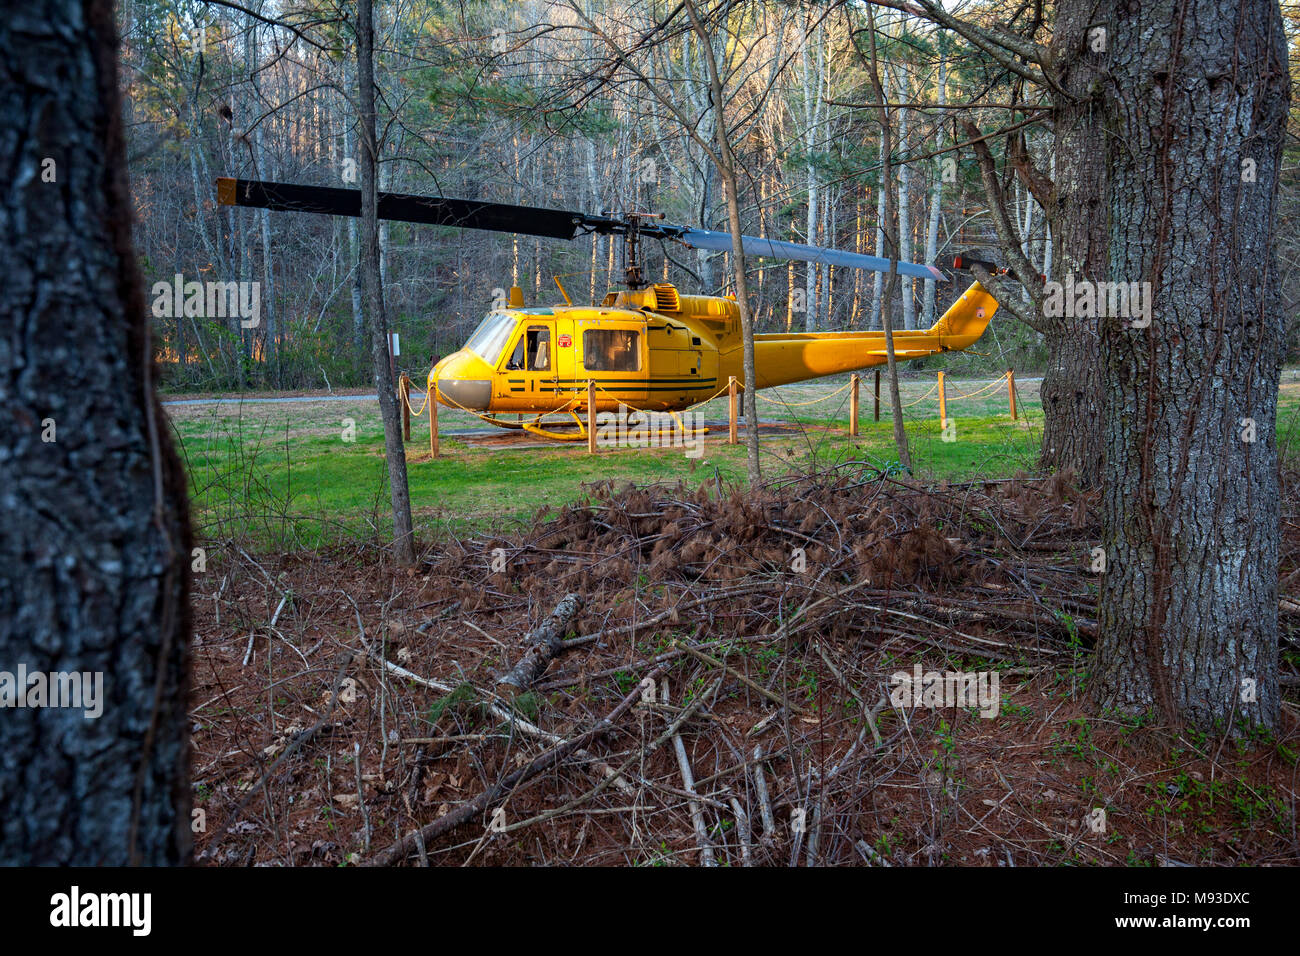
[
  {"x": 533, "y": 351},
  {"x": 611, "y": 350},
  {"x": 491, "y": 336}
]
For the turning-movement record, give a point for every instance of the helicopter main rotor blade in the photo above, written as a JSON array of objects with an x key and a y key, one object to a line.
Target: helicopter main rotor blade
[
  {"x": 529, "y": 220},
  {"x": 779, "y": 249},
  {"x": 402, "y": 207}
]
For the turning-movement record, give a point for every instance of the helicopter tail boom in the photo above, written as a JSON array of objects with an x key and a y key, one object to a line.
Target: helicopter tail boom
[
  {"x": 786, "y": 357},
  {"x": 966, "y": 319}
]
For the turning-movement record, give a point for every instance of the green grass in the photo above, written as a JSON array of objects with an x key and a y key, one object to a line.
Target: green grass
[{"x": 285, "y": 475}]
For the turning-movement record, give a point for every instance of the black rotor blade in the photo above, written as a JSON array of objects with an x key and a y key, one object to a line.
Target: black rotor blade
[{"x": 403, "y": 207}]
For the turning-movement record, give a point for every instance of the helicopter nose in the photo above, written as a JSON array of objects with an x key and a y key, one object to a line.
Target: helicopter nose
[{"x": 460, "y": 382}]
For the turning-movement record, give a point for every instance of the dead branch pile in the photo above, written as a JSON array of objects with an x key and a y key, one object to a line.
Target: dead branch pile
[
  {"x": 667, "y": 674},
  {"x": 843, "y": 554}
]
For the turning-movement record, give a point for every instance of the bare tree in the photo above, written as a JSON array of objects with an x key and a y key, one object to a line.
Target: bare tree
[
  {"x": 372, "y": 283},
  {"x": 890, "y": 235},
  {"x": 1065, "y": 70},
  {"x": 713, "y": 28},
  {"x": 725, "y": 161}
]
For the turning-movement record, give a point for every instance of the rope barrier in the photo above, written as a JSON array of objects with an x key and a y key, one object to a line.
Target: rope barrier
[
  {"x": 659, "y": 411},
  {"x": 626, "y": 404},
  {"x": 579, "y": 401},
  {"x": 721, "y": 391},
  {"x": 567, "y": 407},
  {"x": 406, "y": 397},
  {"x": 777, "y": 401},
  {"x": 991, "y": 387},
  {"x": 933, "y": 388},
  {"x": 416, "y": 413}
]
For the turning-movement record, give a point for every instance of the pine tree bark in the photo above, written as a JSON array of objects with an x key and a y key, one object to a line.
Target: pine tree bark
[
  {"x": 1071, "y": 386},
  {"x": 1196, "y": 110},
  {"x": 95, "y": 541}
]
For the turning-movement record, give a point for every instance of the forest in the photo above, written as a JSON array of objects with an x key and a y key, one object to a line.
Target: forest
[
  {"x": 681, "y": 433},
  {"x": 586, "y": 106}
]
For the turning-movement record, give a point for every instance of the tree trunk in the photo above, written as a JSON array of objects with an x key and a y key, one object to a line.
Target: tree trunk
[
  {"x": 372, "y": 282},
  {"x": 1071, "y": 389},
  {"x": 727, "y": 172},
  {"x": 94, "y": 546},
  {"x": 1071, "y": 397},
  {"x": 354, "y": 253},
  {"x": 1197, "y": 109},
  {"x": 890, "y": 240},
  {"x": 730, "y": 185},
  {"x": 905, "y": 204},
  {"x": 929, "y": 312},
  {"x": 810, "y": 272},
  {"x": 270, "y": 318},
  {"x": 878, "y": 280}
]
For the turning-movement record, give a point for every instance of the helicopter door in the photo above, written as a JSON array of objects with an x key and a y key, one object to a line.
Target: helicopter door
[
  {"x": 531, "y": 372},
  {"x": 614, "y": 357}
]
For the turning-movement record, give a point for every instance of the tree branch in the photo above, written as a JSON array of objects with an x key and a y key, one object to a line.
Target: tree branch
[
  {"x": 1036, "y": 181},
  {"x": 1006, "y": 230}
]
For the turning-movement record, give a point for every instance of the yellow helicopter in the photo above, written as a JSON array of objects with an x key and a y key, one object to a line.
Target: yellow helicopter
[{"x": 648, "y": 347}]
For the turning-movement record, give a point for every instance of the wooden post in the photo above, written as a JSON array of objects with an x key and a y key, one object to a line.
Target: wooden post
[
  {"x": 731, "y": 410},
  {"x": 433, "y": 419},
  {"x": 853, "y": 406},
  {"x": 877, "y": 394},
  {"x": 943, "y": 403},
  {"x": 404, "y": 395},
  {"x": 1011, "y": 391},
  {"x": 591, "y": 417}
]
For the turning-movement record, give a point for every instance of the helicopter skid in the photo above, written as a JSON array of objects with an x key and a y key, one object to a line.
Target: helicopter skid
[{"x": 543, "y": 429}]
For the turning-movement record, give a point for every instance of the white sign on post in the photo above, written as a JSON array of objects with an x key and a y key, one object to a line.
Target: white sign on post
[{"x": 394, "y": 344}]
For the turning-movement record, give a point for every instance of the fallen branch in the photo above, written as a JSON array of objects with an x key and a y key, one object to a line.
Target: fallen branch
[
  {"x": 688, "y": 784},
  {"x": 513, "y": 719},
  {"x": 764, "y": 803},
  {"x": 477, "y": 806},
  {"x": 543, "y": 644},
  {"x": 742, "y": 832},
  {"x": 757, "y": 688}
]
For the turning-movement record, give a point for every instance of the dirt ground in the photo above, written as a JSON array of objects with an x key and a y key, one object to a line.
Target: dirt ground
[{"x": 350, "y": 712}]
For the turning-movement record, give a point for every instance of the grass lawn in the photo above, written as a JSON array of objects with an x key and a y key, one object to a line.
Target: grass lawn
[{"x": 311, "y": 473}]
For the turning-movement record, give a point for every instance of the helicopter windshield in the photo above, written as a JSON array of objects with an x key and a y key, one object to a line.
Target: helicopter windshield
[{"x": 490, "y": 337}]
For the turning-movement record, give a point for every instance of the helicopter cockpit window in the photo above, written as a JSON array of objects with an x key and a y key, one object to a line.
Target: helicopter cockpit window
[
  {"x": 491, "y": 336},
  {"x": 611, "y": 350},
  {"x": 532, "y": 351}
]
